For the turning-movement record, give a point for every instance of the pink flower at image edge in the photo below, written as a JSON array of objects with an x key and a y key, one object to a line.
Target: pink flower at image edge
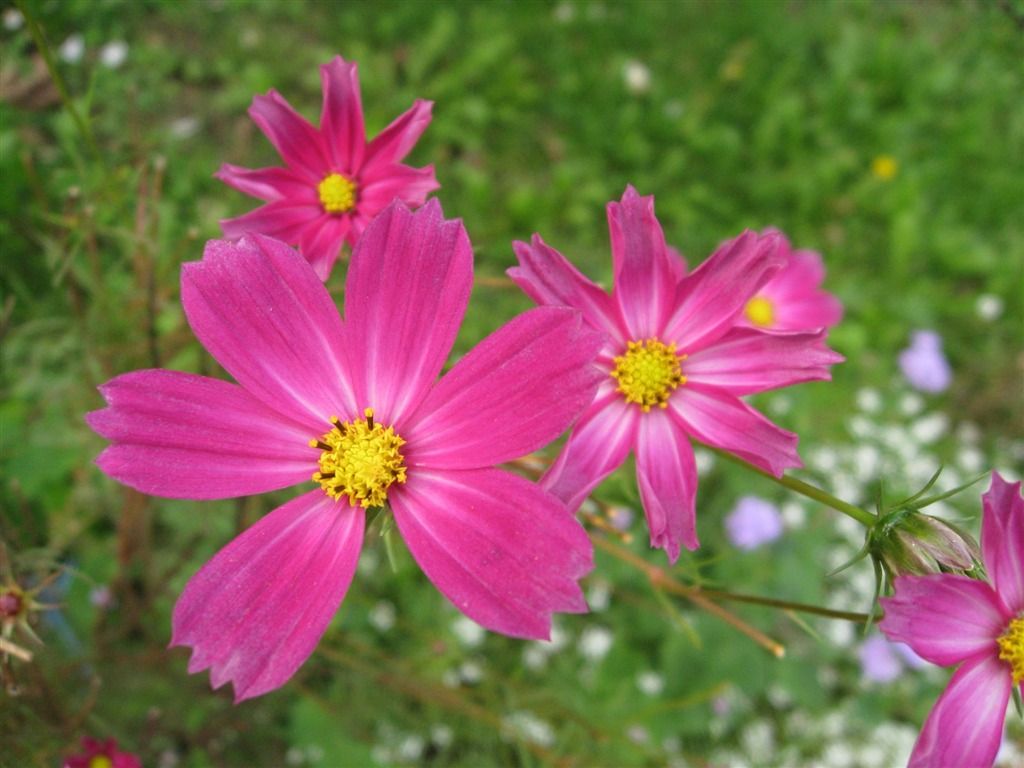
[
  {"x": 333, "y": 182},
  {"x": 950, "y": 619},
  {"x": 505, "y": 552},
  {"x": 94, "y": 749}
]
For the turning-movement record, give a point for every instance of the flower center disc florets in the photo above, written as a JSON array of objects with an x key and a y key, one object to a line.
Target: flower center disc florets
[
  {"x": 648, "y": 373},
  {"x": 760, "y": 312},
  {"x": 360, "y": 461},
  {"x": 337, "y": 193},
  {"x": 1011, "y": 649}
]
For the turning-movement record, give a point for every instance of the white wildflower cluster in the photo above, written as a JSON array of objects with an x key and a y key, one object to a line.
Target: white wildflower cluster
[{"x": 527, "y": 726}]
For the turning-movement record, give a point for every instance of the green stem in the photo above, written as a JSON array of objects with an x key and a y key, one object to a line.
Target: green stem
[
  {"x": 862, "y": 516},
  {"x": 58, "y": 81}
]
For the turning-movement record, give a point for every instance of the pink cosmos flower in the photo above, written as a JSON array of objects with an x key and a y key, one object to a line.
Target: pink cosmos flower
[
  {"x": 674, "y": 366},
  {"x": 953, "y": 619},
  {"x": 335, "y": 181},
  {"x": 101, "y": 754},
  {"x": 793, "y": 299},
  {"x": 353, "y": 406}
]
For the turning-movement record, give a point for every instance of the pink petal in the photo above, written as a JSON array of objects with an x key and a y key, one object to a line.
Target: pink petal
[
  {"x": 745, "y": 361},
  {"x": 1002, "y": 541},
  {"x": 256, "y": 611},
  {"x": 506, "y": 553},
  {"x": 341, "y": 120},
  {"x": 965, "y": 727},
  {"x": 408, "y": 285},
  {"x": 710, "y": 299},
  {"x": 410, "y": 185},
  {"x": 724, "y": 421},
  {"x": 644, "y": 272},
  {"x": 598, "y": 445},
  {"x": 284, "y": 220},
  {"x": 264, "y": 315},
  {"x": 321, "y": 244},
  {"x": 547, "y": 277},
  {"x": 514, "y": 392},
  {"x": 270, "y": 184},
  {"x": 398, "y": 139},
  {"x": 191, "y": 437},
  {"x": 300, "y": 144},
  {"x": 945, "y": 618},
  {"x": 666, "y": 473}
]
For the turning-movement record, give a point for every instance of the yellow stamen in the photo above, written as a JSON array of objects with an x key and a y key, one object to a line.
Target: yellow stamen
[
  {"x": 760, "y": 312},
  {"x": 360, "y": 460},
  {"x": 884, "y": 167},
  {"x": 337, "y": 193},
  {"x": 100, "y": 761},
  {"x": 1011, "y": 649},
  {"x": 648, "y": 373}
]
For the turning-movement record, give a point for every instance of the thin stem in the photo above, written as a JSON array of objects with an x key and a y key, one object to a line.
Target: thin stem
[{"x": 862, "y": 516}]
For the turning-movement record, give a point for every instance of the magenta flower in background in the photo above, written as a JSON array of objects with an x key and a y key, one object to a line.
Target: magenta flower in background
[
  {"x": 674, "y": 366},
  {"x": 334, "y": 181},
  {"x": 952, "y": 619},
  {"x": 793, "y": 299},
  {"x": 753, "y": 522},
  {"x": 924, "y": 364},
  {"x": 355, "y": 407},
  {"x": 101, "y": 754}
]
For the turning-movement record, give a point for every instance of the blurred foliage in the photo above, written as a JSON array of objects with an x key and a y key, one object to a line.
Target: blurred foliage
[{"x": 742, "y": 114}]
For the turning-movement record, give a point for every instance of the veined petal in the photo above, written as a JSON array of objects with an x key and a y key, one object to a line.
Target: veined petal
[
  {"x": 1002, "y": 540},
  {"x": 513, "y": 393},
  {"x": 666, "y": 473},
  {"x": 410, "y": 185},
  {"x": 709, "y": 300},
  {"x": 599, "y": 443},
  {"x": 945, "y": 618},
  {"x": 965, "y": 727},
  {"x": 721, "y": 419},
  {"x": 191, "y": 437},
  {"x": 300, "y": 144},
  {"x": 261, "y": 311},
  {"x": 341, "y": 120},
  {"x": 644, "y": 273},
  {"x": 255, "y": 612},
  {"x": 408, "y": 285},
  {"x": 745, "y": 361},
  {"x": 270, "y": 183},
  {"x": 321, "y": 243},
  {"x": 506, "y": 553},
  {"x": 283, "y": 220},
  {"x": 396, "y": 141}
]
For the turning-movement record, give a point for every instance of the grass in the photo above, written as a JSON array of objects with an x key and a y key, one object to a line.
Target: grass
[{"x": 755, "y": 114}]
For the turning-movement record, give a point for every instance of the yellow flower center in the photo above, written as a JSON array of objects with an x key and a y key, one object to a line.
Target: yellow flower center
[
  {"x": 884, "y": 167},
  {"x": 337, "y": 193},
  {"x": 100, "y": 761},
  {"x": 360, "y": 460},
  {"x": 648, "y": 373},
  {"x": 1011, "y": 649},
  {"x": 760, "y": 312}
]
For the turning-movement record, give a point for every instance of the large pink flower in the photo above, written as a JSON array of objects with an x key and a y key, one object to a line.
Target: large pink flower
[
  {"x": 354, "y": 406},
  {"x": 674, "y": 365},
  {"x": 335, "y": 182},
  {"x": 101, "y": 754},
  {"x": 793, "y": 300},
  {"x": 952, "y": 619}
]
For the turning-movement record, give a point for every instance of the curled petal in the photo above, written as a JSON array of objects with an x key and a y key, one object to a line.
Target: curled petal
[
  {"x": 945, "y": 618},
  {"x": 299, "y": 143},
  {"x": 191, "y": 437},
  {"x": 408, "y": 286},
  {"x": 410, "y": 185},
  {"x": 341, "y": 120},
  {"x": 513, "y": 393},
  {"x": 395, "y": 141},
  {"x": 261, "y": 311},
  {"x": 724, "y": 421},
  {"x": 965, "y": 727},
  {"x": 255, "y": 612},
  {"x": 666, "y": 472},
  {"x": 506, "y": 553},
  {"x": 1002, "y": 540}
]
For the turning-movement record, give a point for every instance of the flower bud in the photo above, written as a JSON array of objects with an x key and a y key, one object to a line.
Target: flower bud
[{"x": 909, "y": 543}]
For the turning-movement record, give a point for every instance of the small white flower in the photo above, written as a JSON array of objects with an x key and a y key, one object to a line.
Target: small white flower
[
  {"x": 650, "y": 683},
  {"x": 469, "y": 633},
  {"x": 869, "y": 400},
  {"x": 72, "y": 49},
  {"x": 13, "y": 19},
  {"x": 114, "y": 54},
  {"x": 637, "y": 77},
  {"x": 989, "y": 307},
  {"x": 595, "y": 642},
  {"x": 382, "y": 615}
]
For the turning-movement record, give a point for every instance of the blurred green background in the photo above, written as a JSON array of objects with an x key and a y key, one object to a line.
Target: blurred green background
[{"x": 886, "y": 135}]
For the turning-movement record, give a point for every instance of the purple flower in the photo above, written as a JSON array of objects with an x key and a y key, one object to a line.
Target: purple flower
[
  {"x": 883, "y": 661},
  {"x": 923, "y": 363},
  {"x": 753, "y": 522}
]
